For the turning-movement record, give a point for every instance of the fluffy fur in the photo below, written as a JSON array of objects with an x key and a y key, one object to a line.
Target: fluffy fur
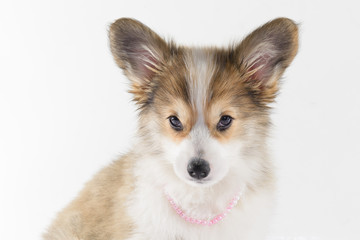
[{"x": 198, "y": 86}]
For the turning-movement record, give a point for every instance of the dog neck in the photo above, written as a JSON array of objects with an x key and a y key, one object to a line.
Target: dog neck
[{"x": 208, "y": 220}]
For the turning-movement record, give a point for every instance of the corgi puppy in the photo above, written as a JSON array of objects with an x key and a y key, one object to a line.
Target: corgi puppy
[{"x": 200, "y": 168}]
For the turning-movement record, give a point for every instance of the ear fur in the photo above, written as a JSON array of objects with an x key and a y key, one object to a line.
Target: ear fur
[
  {"x": 265, "y": 54},
  {"x": 140, "y": 52}
]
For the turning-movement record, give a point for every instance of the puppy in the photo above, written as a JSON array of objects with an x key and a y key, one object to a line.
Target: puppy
[{"x": 200, "y": 167}]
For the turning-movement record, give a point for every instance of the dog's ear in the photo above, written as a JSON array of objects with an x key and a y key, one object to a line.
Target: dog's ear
[
  {"x": 140, "y": 52},
  {"x": 264, "y": 55}
]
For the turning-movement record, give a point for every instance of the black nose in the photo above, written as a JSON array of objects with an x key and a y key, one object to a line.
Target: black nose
[{"x": 198, "y": 168}]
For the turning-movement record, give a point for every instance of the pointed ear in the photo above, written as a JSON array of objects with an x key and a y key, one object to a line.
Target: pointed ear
[
  {"x": 265, "y": 54},
  {"x": 139, "y": 52}
]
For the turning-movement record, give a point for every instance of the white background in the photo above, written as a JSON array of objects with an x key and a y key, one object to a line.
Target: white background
[{"x": 65, "y": 112}]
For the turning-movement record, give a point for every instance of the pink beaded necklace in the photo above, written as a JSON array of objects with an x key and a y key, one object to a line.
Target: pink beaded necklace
[{"x": 212, "y": 220}]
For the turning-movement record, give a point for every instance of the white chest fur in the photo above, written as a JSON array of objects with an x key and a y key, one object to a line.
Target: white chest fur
[{"x": 155, "y": 219}]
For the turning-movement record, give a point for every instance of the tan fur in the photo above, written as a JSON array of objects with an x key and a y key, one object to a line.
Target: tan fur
[{"x": 98, "y": 212}]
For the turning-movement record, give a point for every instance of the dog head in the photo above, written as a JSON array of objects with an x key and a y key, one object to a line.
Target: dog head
[{"x": 205, "y": 110}]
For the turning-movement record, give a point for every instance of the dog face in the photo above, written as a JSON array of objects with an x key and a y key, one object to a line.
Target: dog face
[{"x": 205, "y": 110}]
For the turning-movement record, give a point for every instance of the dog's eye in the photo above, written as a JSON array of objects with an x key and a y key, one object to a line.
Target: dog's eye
[
  {"x": 175, "y": 123},
  {"x": 224, "y": 123}
]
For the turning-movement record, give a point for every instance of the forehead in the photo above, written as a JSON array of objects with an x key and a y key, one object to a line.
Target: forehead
[
  {"x": 201, "y": 79},
  {"x": 200, "y": 67}
]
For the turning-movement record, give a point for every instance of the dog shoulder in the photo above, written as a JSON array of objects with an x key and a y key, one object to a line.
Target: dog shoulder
[{"x": 98, "y": 207}]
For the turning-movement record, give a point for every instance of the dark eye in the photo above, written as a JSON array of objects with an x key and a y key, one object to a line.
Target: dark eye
[
  {"x": 224, "y": 123},
  {"x": 175, "y": 123}
]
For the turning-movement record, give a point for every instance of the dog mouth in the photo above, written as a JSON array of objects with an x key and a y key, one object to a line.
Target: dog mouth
[{"x": 200, "y": 182}]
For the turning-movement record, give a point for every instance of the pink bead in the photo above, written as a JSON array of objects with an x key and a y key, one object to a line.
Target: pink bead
[{"x": 214, "y": 220}]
